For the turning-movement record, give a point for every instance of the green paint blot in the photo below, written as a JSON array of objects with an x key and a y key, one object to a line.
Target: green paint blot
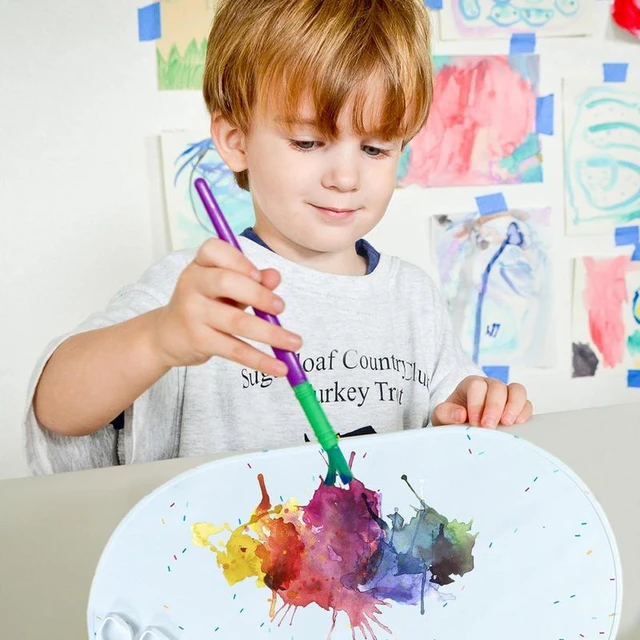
[{"x": 633, "y": 343}]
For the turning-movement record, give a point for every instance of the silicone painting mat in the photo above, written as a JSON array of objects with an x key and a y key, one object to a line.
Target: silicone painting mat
[{"x": 452, "y": 532}]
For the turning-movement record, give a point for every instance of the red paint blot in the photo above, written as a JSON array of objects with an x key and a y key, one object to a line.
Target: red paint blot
[{"x": 604, "y": 296}]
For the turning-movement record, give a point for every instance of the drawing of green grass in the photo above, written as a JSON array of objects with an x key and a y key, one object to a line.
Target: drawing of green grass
[{"x": 182, "y": 71}]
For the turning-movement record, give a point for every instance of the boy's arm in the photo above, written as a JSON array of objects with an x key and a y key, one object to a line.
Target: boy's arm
[{"x": 93, "y": 376}]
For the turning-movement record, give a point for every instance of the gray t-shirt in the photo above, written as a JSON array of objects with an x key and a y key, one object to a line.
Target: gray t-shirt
[{"x": 379, "y": 350}]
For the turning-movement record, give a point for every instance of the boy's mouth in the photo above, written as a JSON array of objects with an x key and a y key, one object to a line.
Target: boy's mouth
[{"x": 334, "y": 213}]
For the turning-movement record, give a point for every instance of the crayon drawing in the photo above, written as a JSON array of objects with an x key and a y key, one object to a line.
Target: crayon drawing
[
  {"x": 185, "y": 157},
  {"x": 606, "y": 315},
  {"x": 461, "y": 19},
  {"x": 180, "y": 52},
  {"x": 495, "y": 273},
  {"x": 482, "y": 125},
  {"x": 602, "y": 151}
]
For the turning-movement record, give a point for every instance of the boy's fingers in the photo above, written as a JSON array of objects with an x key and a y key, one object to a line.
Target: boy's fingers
[
  {"x": 448, "y": 413},
  {"x": 270, "y": 278},
  {"x": 526, "y": 413},
  {"x": 234, "y": 322},
  {"x": 476, "y": 392},
  {"x": 238, "y": 351},
  {"x": 516, "y": 402},
  {"x": 494, "y": 403},
  {"x": 217, "y": 253},
  {"x": 226, "y": 284}
]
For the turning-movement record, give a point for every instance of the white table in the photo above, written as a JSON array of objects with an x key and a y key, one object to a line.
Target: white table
[{"x": 53, "y": 529}]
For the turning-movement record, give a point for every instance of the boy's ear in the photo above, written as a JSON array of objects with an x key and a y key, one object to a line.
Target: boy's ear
[{"x": 229, "y": 141}]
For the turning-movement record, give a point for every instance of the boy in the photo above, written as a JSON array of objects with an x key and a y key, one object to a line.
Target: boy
[{"x": 311, "y": 104}]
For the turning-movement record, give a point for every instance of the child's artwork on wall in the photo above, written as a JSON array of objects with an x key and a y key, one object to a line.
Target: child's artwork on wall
[
  {"x": 602, "y": 140},
  {"x": 462, "y": 19},
  {"x": 180, "y": 52},
  {"x": 185, "y": 157},
  {"x": 429, "y": 540},
  {"x": 606, "y": 315},
  {"x": 496, "y": 278},
  {"x": 482, "y": 125}
]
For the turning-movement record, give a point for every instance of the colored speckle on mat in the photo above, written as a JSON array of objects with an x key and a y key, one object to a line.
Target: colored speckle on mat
[
  {"x": 338, "y": 552},
  {"x": 527, "y": 489},
  {"x": 589, "y": 552},
  {"x": 248, "y": 465},
  {"x": 183, "y": 551},
  {"x": 173, "y": 504},
  {"x": 168, "y": 568},
  {"x": 468, "y": 437},
  {"x": 556, "y": 602},
  {"x": 181, "y": 628}
]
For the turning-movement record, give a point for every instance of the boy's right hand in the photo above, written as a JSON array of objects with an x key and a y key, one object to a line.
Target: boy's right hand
[{"x": 207, "y": 315}]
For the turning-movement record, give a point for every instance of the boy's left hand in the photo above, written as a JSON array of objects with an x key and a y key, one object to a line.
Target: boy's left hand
[{"x": 484, "y": 402}]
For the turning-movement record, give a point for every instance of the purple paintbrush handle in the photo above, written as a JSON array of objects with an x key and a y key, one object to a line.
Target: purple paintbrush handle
[{"x": 296, "y": 373}]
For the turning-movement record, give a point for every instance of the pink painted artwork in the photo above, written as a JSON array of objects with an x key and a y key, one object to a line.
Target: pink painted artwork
[
  {"x": 482, "y": 125},
  {"x": 606, "y": 315}
]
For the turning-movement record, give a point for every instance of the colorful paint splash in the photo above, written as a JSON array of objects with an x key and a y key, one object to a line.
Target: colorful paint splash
[{"x": 338, "y": 553}]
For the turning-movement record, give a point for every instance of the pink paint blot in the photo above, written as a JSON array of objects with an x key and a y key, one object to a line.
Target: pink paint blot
[
  {"x": 604, "y": 297},
  {"x": 483, "y": 111}
]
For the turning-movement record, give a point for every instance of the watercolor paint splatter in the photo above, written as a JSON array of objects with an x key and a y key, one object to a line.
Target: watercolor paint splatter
[{"x": 339, "y": 553}]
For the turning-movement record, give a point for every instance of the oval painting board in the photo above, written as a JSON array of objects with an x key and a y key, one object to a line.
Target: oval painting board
[{"x": 446, "y": 533}]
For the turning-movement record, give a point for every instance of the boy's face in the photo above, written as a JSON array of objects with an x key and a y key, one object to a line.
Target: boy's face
[{"x": 315, "y": 197}]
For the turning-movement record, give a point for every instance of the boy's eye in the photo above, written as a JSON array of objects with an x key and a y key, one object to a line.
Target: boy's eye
[
  {"x": 374, "y": 152},
  {"x": 303, "y": 145}
]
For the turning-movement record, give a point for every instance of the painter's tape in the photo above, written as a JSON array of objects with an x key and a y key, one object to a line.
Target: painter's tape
[
  {"x": 615, "y": 71},
  {"x": 433, "y": 4},
  {"x": 149, "y": 23},
  {"x": 627, "y": 235},
  {"x": 544, "y": 114},
  {"x": 500, "y": 373},
  {"x": 633, "y": 378},
  {"x": 493, "y": 203},
  {"x": 522, "y": 43}
]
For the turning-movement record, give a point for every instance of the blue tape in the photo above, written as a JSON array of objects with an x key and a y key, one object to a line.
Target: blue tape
[
  {"x": 633, "y": 378},
  {"x": 615, "y": 71},
  {"x": 627, "y": 235},
  {"x": 149, "y": 24},
  {"x": 493, "y": 203},
  {"x": 522, "y": 43},
  {"x": 544, "y": 114},
  {"x": 433, "y": 4},
  {"x": 500, "y": 373},
  {"x": 635, "y": 256}
]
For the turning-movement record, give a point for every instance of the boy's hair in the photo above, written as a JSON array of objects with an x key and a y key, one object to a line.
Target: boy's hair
[{"x": 269, "y": 53}]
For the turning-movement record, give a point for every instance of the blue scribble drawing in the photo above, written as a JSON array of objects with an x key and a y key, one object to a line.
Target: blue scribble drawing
[
  {"x": 496, "y": 18},
  {"x": 603, "y": 158},
  {"x": 514, "y": 237},
  {"x": 496, "y": 279},
  {"x": 186, "y": 161}
]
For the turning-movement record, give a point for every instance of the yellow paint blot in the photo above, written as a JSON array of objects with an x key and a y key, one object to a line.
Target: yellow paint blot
[{"x": 589, "y": 552}]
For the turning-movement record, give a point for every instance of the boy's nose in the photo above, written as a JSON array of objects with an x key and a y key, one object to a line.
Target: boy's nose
[{"x": 342, "y": 173}]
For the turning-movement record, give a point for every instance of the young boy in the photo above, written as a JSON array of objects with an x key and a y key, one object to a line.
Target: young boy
[{"x": 311, "y": 103}]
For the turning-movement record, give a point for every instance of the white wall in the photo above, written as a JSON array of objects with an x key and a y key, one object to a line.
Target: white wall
[{"x": 80, "y": 198}]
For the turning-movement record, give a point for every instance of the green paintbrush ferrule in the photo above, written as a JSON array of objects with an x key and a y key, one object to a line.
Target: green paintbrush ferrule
[{"x": 315, "y": 414}]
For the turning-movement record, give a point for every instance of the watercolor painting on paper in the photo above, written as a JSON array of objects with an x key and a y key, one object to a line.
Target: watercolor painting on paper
[
  {"x": 606, "y": 315},
  {"x": 602, "y": 151},
  {"x": 496, "y": 278},
  {"x": 185, "y": 157},
  {"x": 180, "y": 52},
  {"x": 462, "y": 19},
  {"x": 339, "y": 553},
  {"x": 482, "y": 125},
  {"x": 428, "y": 541}
]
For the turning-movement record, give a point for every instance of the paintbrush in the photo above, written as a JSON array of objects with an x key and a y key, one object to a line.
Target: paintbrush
[{"x": 296, "y": 376}]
